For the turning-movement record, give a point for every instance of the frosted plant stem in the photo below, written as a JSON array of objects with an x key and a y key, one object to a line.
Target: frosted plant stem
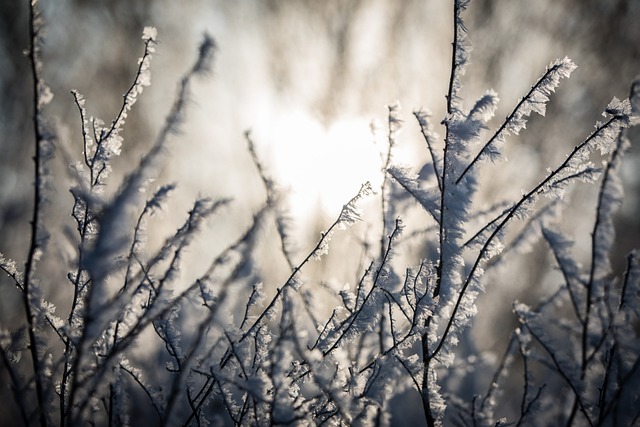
[
  {"x": 322, "y": 245},
  {"x": 168, "y": 416},
  {"x": 136, "y": 180},
  {"x": 426, "y": 355},
  {"x": 424, "y": 389},
  {"x": 525, "y": 198},
  {"x": 272, "y": 200},
  {"x": 564, "y": 375},
  {"x": 385, "y": 258},
  {"x": 503, "y": 367},
  {"x": 34, "y": 245},
  {"x": 567, "y": 279},
  {"x": 67, "y": 370},
  {"x": 380, "y": 337},
  {"x": 383, "y": 186},
  {"x": 126, "y": 104},
  {"x": 451, "y": 110},
  {"x": 509, "y": 119},
  {"x": 596, "y": 236},
  {"x": 424, "y": 129},
  {"x": 72, "y": 364}
]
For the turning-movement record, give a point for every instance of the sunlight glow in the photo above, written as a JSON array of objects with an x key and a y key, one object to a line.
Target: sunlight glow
[{"x": 322, "y": 167}]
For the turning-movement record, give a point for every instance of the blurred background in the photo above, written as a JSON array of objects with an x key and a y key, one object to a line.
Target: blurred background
[{"x": 311, "y": 79}]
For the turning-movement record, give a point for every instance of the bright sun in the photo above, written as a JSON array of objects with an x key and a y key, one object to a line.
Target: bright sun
[{"x": 322, "y": 167}]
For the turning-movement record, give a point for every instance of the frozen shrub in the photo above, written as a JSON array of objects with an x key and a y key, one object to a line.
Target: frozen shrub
[{"x": 235, "y": 351}]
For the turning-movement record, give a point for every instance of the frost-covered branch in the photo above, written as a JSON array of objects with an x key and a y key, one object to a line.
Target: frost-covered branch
[
  {"x": 534, "y": 101},
  {"x": 602, "y": 138},
  {"x": 430, "y": 138},
  {"x": 349, "y": 215},
  {"x": 43, "y": 151}
]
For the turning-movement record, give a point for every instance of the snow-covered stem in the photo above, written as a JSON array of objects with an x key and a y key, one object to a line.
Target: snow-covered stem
[
  {"x": 112, "y": 234},
  {"x": 430, "y": 137},
  {"x": 41, "y": 96},
  {"x": 273, "y": 201},
  {"x": 374, "y": 288},
  {"x": 136, "y": 377},
  {"x": 428, "y": 200},
  {"x": 609, "y": 199},
  {"x": 488, "y": 401},
  {"x": 564, "y": 374},
  {"x": 393, "y": 125},
  {"x": 534, "y": 101},
  {"x": 558, "y": 244},
  {"x": 459, "y": 58},
  {"x": 617, "y": 122},
  {"x": 452, "y": 99},
  {"x": 348, "y": 216},
  {"x": 131, "y": 95}
]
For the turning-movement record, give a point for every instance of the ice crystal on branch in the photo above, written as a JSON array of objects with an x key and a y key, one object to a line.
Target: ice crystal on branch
[
  {"x": 244, "y": 345},
  {"x": 350, "y": 214},
  {"x": 460, "y": 57},
  {"x": 149, "y": 34},
  {"x": 534, "y": 101},
  {"x": 10, "y": 269},
  {"x": 427, "y": 199}
]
